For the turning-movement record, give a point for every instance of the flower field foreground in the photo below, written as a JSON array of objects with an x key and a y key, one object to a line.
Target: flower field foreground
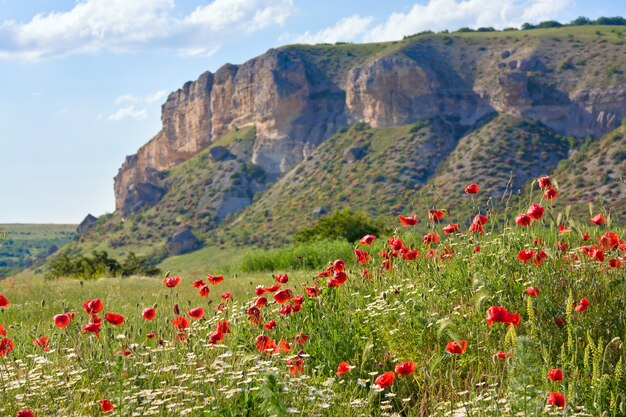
[{"x": 467, "y": 319}]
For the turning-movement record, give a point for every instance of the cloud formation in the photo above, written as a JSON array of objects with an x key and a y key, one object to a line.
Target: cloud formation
[
  {"x": 124, "y": 26},
  {"x": 129, "y": 113}
]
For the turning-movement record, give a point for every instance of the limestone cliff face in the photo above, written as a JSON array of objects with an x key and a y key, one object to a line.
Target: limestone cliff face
[{"x": 297, "y": 97}]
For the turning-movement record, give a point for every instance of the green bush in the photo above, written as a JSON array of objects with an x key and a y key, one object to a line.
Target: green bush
[
  {"x": 98, "y": 265},
  {"x": 341, "y": 224}
]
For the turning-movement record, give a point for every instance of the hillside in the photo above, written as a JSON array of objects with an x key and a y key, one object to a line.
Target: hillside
[
  {"x": 27, "y": 245},
  {"x": 254, "y": 151}
]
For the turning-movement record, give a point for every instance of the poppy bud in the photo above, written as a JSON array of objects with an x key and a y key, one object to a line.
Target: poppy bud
[{"x": 176, "y": 309}]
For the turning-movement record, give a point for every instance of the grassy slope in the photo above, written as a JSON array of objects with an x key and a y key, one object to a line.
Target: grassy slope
[{"x": 24, "y": 245}]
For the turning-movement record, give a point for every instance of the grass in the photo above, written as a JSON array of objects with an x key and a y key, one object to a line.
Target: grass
[{"x": 373, "y": 321}]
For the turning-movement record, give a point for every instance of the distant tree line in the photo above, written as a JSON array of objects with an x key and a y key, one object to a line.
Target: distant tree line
[
  {"x": 99, "y": 265},
  {"x": 581, "y": 21}
]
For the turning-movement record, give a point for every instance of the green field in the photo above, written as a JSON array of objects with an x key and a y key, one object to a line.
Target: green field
[
  {"x": 402, "y": 310},
  {"x": 27, "y": 245}
]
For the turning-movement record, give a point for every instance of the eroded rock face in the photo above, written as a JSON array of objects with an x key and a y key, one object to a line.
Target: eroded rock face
[{"x": 182, "y": 242}]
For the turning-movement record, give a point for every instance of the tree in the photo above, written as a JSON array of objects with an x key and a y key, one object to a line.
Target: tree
[{"x": 341, "y": 224}]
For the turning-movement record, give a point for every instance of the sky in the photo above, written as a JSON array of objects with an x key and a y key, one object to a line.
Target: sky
[{"x": 82, "y": 82}]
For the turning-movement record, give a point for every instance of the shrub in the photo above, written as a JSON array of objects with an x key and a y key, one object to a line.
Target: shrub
[{"x": 341, "y": 224}]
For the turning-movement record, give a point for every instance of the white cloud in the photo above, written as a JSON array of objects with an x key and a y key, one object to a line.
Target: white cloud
[
  {"x": 453, "y": 14},
  {"x": 121, "y": 26},
  {"x": 126, "y": 98},
  {"x": 347, "y": 29},
  {"x": 129, "y": 113},
  {"x": 156, "y": 96}
]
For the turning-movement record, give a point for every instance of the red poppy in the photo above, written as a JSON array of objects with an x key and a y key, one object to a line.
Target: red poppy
[
  {"x": 535, "y": 211},
  {"x": 550, "y": 193},
  {"x": 559, "y": 321},
  {"x": 562, "y": 246},
  {"x": 260, "y": 302},
  {"x": 226, "y": 296},
  {"x": 557, "y": 399},
  {"x": 25, "y": 413},
  {"x": 283, "y": 346},
  {"x": 410, "y": 254},
  {"x": 114, "y": 319},
  {"x": 301, "y": 338},
  {"x": 3, "y": 331},
  {"x": 435, "y": 215},
  {"x": 181, "y": 322},
  {"x": 476, "y": 249},
  {"x": 93, "y": 327},
  {"x": 196, "y": 313},
  {"x": 339, "y": 265},
  {"x": 312, "y": 292},
  {"x": 609, "y": 240},
  {"x": 6, "y": 346},
  {"x": 42, "y": 342},
  {"x": 539, "y": 257},
  {"x": 532, "y": 291},
  {"x": 151, "y": 335},
  {"x": 479, "y": 218},
  {"x": 223, "y": 326},
  {"x": 93, "y": 306},
  {"x": 471, "y": 189},
  {"x": 106, "y": 406},
  {"x": 340, "y": 277},
  {"x": 405, "y": 368},
  {"x": 172, "y": 281},
  {"x": 214, "y": 279},
  {"x": 501, "y": 355},
  {"x": 215, "y": 337},
  {"x": 395, "y": 242},
  {"x": 585, "y": 237},
  {"x": 62, "y": 320},
  {"x": 254, "y": 315},
  {"x": 272, "y": 288},
  {"x": 598, "y": 219},
  {"x": 385, "y": 379},
  {"x": 429, "y": 238},
  {"x": 362, "y": 256},
  {"x": 282, "y": 278},
  {"x": 615, "y": 263},
  {"x": 368, "y": 240},
  {"x": 525, "y": 255},
  {"x": 259, "y": 291},
  {"x": 454, "y": 348},
  {"x": 270, "y": 325},
  {"x": 198, "y": 283},
  {"x": 555, "y": 375},
  {"x": 204, "y": 291},
  {"x": 149, "y": 313},
  {"x": 264, "y": 343},
  {"x": 3, "y": 301},
  {"x": 582, "y": 306},
  {"x": 545, "y": 182},
  {"x": 386, "y": 264},
  {"x": 283, "y": 295},
  {"x": 451, "y": 228},
  {"x": 408, "y": 221},
  {"x": 343, "y": 368},
  {"x": 523, "y": 219},
  {"x": 296, "y": 365},
  {"x": 499, "y": 314},
  {"x": 286, "y": 310}
]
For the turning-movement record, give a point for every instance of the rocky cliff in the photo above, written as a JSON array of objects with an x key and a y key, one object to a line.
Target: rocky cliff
[{"x": 298, "y": 96}]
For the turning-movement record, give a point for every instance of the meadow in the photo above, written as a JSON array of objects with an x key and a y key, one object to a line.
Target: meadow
[{"x": 500, "y": 312}]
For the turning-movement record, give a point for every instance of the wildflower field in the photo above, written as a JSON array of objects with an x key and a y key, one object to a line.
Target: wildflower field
[{"x": 491, "y": 312}]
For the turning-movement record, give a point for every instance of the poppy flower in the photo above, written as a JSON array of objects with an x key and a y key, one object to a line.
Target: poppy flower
[
  {"x": 362, "y": 256},
  {"x": 557, "y": 399},
  {"x": 523, "y": 219},
  {"x": 283, "y": 295},
  {"x": 106, "y": 406},
  {"x": 471, "y": 189},
  {"x": 385, "y": 379},
  {"x": 408, "y": 221},
  {"x": 296, "y": 365},
  {"x": 615, "y": 263},
  {"x": 196, "y": 313},
  {"x": 151, "y": 335},
  {"x": 283, "y": 346},
  {"x": 344, "y": 367},
  {"x": 264, "y": 343},
  {"x": 479, "y": 218},
  {"x": 114, "y": 319},
  {"x": 3, "y": 301},
  {"x": 535, "y": 211},
  {"x": 312, "y": 292},
  {"x": 585, "y": 237},
  {"x": 386, "y": 264},
  {"x": 405, "y": 368},
  {"x": 254, "y": 315},
  {"x": 435, "y": 215},
  {"x": 181, "y": 322},
  {"x": 270, "y": 325},
  {"x": 93, "y": 327},
  {"x": 532, "y": 291},
  {"x": 215, "y": 337},
  {"x": 367, "y": 240},
  {"x": 539, "y": 257},
  {"x": 555, "y": 375},
  {"x": 339, "y": 265},
  {"x": 286, "y": 310},
  {"x": 301, "y": 338},
  {"x": 609, "y": 240},
  {"x": 598, "y": 219},
  {"x": 476, "y": 249},
  {"x": 395, "y": 242},
  {"x": 3, "y": 331},
  {"x": 272, "y": 288},
  {"x": 410, "y": 254},
  {"x": 499, "y": 314},
  {"x": 198, "y": 283},
  {"x": 582, "y": 306},
  {"x": 476, "y": 228},
  {"x": 501, "y": 355},
  {"x": 172, "y": 281},
  {"x": 525, "y": 255},
  {"x": 223, "y": 326},
  {"x": 340, "y": 277},
  {"x": 214, "y": 279},
  {"x": 226, "y": 296},
  {"x": 204, "y": 291},
  {"x": 149, "y": 313},
  {"x": 282, "y": 278},
  {"x": 93, "y": 306},
  {"x": 42, "y": 342},
  {"x": 25, "y": 413},
  {"x": 550, "y": 194},
  {"x": 597, "y": 254},
  {"x": 62, "y": 320},
  {"x": 429, "y": 238},
  {"x": 260, "y": 302},
  {"x": 6, "y": 346},
  {"x": 451, "y": 228},
  {"x": 545, "y": 182},
  {"x": 454, "y": 348}
]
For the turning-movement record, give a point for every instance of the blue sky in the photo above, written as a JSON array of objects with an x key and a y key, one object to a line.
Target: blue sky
[{"x": 83, "y": 81}]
